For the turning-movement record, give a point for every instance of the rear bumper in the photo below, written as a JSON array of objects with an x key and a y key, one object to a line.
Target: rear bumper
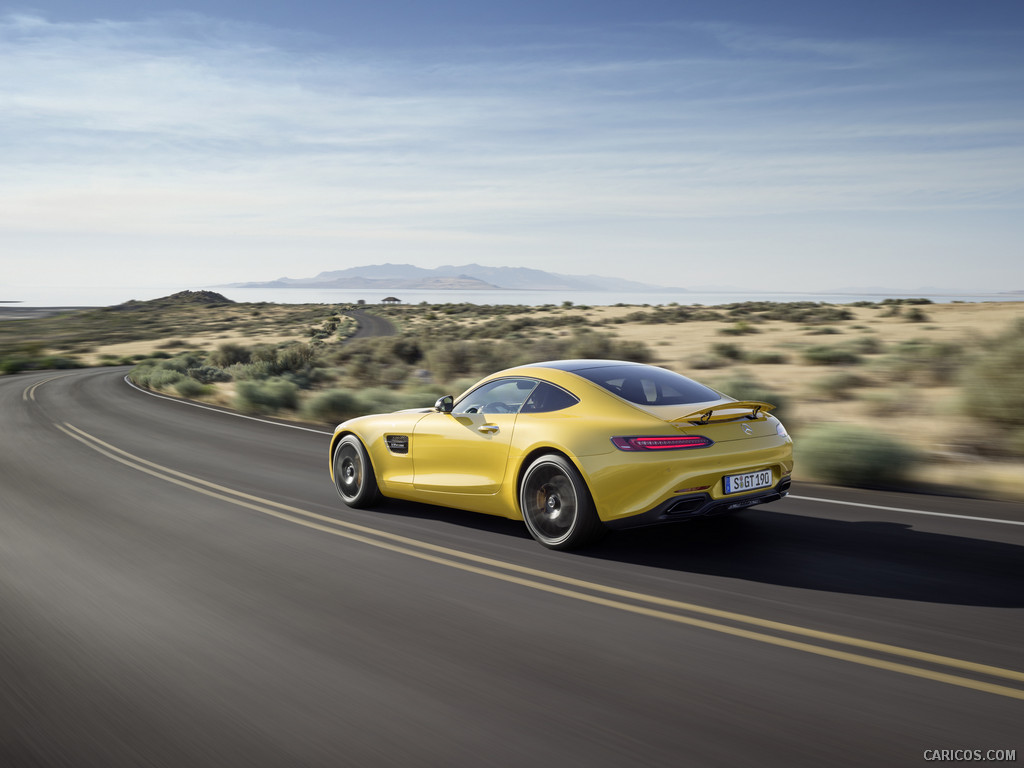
[{"x": 699, "y": 506}]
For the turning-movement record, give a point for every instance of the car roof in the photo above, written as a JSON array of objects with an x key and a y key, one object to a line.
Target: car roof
[{"x": 582, "y": 365}]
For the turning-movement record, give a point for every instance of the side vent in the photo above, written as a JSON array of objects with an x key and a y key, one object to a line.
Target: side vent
[{"x": 397, "y": 443}]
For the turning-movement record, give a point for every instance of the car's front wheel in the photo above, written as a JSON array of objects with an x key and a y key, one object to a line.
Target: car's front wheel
[
  {"x": 353, "y": 473},
  {"x": 556, "y": 504}
]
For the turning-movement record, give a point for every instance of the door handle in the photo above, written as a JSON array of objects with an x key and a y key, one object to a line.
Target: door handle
[{"x": 488, "y": 429}]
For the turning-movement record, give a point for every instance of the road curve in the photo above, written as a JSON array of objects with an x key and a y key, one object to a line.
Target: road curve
[
  {"x": 369, "y": 324},
  {"x": 182, "y": 587}
]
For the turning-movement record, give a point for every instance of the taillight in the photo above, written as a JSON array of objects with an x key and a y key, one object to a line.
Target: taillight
[{"x": 658, "y": 443}]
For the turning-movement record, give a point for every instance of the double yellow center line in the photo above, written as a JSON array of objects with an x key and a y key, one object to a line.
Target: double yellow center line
[
  {"x": 30, "y": 392},
  {"x": 887, "y": 657}
]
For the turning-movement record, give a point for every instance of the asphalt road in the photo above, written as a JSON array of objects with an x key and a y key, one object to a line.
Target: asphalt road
[
  {"x": 182, "y": 587},
  {"x": 369, "y": 324}
]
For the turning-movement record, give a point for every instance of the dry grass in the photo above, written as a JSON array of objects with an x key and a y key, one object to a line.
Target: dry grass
[{"x": 210, "y": 340}]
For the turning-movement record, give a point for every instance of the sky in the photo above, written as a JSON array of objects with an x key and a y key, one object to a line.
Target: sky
[{"x": 784, "y": 146}]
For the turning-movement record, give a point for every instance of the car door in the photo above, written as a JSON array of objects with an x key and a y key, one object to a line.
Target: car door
[{"x": 466, "y": 451}]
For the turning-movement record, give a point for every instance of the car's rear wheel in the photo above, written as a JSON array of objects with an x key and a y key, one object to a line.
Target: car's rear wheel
[
  {"x": 556, "y": 504},
  {"x": 353, "y": 473}
]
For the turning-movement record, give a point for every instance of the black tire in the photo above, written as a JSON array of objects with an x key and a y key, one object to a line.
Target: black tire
[
  {"x": 353, "y": 474},
  {"x": 556, "y": 504}
]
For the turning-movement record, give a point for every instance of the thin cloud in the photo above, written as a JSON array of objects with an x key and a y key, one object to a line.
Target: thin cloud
[{"x": 189, "y": 126}]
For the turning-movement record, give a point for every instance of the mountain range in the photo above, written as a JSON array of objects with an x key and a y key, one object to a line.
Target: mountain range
[
  {"x": 465, "y": 277},
  {"x": 475, "y": 277}
]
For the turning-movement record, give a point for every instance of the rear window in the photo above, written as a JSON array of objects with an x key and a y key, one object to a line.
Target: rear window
[{"x": 647, "y": 385}]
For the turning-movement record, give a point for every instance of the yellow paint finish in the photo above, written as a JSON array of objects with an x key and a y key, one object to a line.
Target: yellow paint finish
[{"x": 456, "y": 464}]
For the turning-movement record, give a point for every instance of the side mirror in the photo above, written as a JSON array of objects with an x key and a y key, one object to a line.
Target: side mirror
[{"x": 445, "y": 404}]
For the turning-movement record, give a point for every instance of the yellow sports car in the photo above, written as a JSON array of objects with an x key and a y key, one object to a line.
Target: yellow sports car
[{"x": 571, "y": 447}]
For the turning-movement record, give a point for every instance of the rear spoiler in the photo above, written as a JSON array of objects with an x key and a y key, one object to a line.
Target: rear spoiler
[{"x": 707, "y": 415}]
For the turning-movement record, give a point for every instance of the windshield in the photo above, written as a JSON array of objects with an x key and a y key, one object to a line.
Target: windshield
[{"x": 648, "y": 385}]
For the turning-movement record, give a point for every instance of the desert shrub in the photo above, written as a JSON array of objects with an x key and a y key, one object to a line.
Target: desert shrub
[
  {"x": 382, "y": 400},
  {"x": 30, "y": 361},
  {"x": 767, "y": 358},
  {"x": 22, "y": 350},
  {"x": 451, "y": 359},
  {"x": 294, "y": 357},
  {"x": 830, "y": 355},
  {"x": 264, "y": 353},
  {"x": 163, "y": 378},
  {"x": 827, "y": 330},
  {"x": 180, "y": 363},
  {"x": 634, "y": 352},
  {"x": 672, "y": 313},
  {"x": 582, "y": 344},
  {"x": 379, "y": 400},
  {"x": 301, "y": 379},
  {"x": 739, "y": 329},
  {"x": 728, "y": 351},
  {"x": 333, "y": 405},
  {"x": 57, "y": 362},
  {"x": 266, "y": 396},
  {"x": 805, "y": 312},
  {"x": 866, "y": 345},
  {"x": 140, "y": 374},
  {"x": 394, "y": 375},
  {"x": 189, "y": 387},
  {"x": 367, "y": 361},
  {"x": 895, "y": 305},
  {"x": 229, "y": 354},
  {"x": 257, "y": 370},
  {"x": 705, "y": 362},
  {"x": 992, "y": 386},
  {"x": 900, "y": 402},
  {"x": 837, "y": 386},
  {"x": 15, "y": 363},
  {"x": 595, "y": 346},
  {"x": 743, "y": 386},
  {"x": 207, "y": 374},
  {"x": 364, "y": 369},
  {"x": 848, "y": 455},
  {"x": 927, "y": 363},
  {"x": 407, "y": 350}
]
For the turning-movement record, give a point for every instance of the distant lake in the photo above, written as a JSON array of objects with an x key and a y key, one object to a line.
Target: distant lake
[{"x": 79, "y": 297}]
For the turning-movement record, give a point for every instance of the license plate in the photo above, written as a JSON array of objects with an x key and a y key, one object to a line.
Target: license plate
[{"x": 750, "y": 481}]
